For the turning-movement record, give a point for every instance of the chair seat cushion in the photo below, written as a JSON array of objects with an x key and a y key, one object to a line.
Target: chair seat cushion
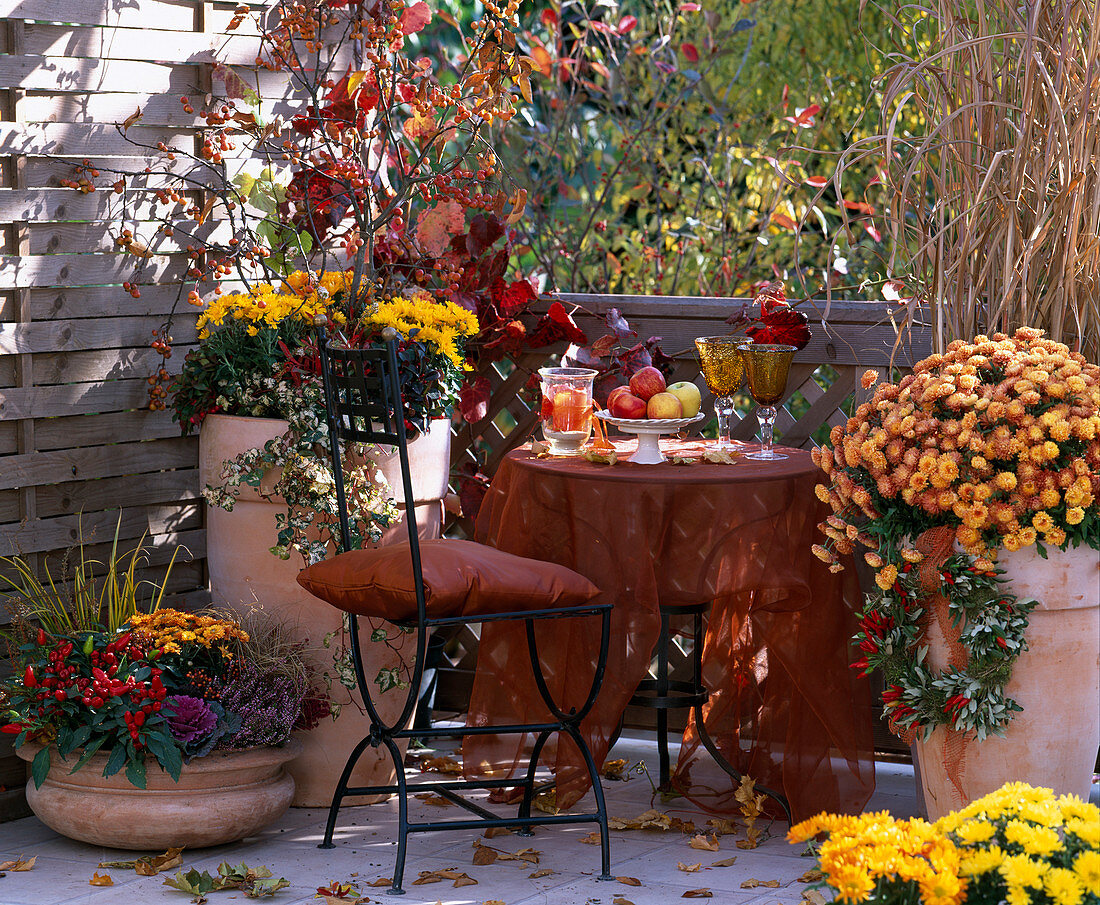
[{"x": 461, "y": 578}]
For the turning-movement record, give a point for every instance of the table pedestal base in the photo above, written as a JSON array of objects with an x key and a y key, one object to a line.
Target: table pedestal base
[{"x": 663, "y": 694}]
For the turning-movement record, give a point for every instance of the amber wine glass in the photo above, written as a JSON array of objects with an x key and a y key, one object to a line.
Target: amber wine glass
[
  {"x": 766, "y": 367},
  {"x": 723, "y": 369}
]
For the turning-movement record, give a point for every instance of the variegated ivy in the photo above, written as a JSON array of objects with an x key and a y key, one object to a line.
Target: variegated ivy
[{"x": 991, "y": 623}]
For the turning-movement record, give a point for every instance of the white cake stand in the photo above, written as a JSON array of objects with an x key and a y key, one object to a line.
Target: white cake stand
[{"x": 649, "y": 431}]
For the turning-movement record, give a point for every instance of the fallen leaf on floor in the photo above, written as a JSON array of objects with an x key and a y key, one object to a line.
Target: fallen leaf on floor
[
  {"x": 193, "y": 883},
  {"x": 592, "y": 838},
  {"x": 101, "y": 880},
  {"x": 547, "y": 802},
  {"x": 751, "y": 803},
  {"x": 629, "y": 881},
  {"x": 680, "y": 460},
  {"x": 703, "y": 893},
  {"x": 704, "y": 843},
  {"x": 493, "y": 902},
  {"x": 649, "y": 820},
  {"x": 811, "y": 876},
  {"x": 614, "y": 770},
  {"x": 722, "y": 827},
  {"x": 620, "y": 900},
  {"x": 494, "y": 831},
  {"x": 154, "y": 864},
  {"x": 437, "y": 876},
  {"x": 441, "y": 765},
  {"x": 814, "y": 897},
  {"x": 541, "y": 872},
  {"x": 725, "y": 862},
  {"x": 254, "y": 882},
  {"x": 338, "y": 892},
  {"x": 381, "y": 881},
  {"x": 21, "y": 863},
  {"x": 486, "y": 854},
  {"x": 688, "y": 868},
  {"x": 437, "y": 800},
  {"x": 752, "y": 883}
]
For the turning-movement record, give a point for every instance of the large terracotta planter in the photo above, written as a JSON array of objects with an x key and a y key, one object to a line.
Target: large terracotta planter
[
  {"x": 220, "y": 798},
  {"x": 1053, "y": 742},
  {"x": 244, "y": 574}
]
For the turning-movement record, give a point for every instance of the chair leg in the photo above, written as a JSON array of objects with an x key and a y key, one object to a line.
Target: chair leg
[
  {"x": 342, "y": 790},
  {"x": 529, "y": 782},
  {"x": 601, "y": 804},
  {"x": 402, "y": 818}
]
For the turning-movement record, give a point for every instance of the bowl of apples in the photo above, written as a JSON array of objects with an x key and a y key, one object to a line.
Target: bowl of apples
[{"x": 650, "y": 409}]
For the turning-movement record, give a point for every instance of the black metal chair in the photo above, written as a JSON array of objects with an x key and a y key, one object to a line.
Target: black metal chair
[{"x": 364, "y": 405}]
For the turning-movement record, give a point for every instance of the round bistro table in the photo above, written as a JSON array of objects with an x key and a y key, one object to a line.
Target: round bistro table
[{"x": 783, "y": 708}]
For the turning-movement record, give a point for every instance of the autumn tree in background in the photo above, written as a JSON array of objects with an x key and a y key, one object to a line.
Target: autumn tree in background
[
  {"x": 381, "y": 162},
  {"x": 675, "y": 147}
]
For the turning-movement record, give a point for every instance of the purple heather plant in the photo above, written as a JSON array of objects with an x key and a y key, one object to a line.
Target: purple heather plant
[{"x": 267, "y": 704}]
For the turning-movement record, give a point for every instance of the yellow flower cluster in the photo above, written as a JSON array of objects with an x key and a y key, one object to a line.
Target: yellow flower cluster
[
  {"x": 863, "y": 851},
  {"x": 167, "y": 630},
  {"x": 442, "y": 324},
  {"x": 1000, "y": 436},
  {"x": 267, "y": 306},
  {"x": 1019, "y": 845},
  {"x": 1039, "y": 847}
]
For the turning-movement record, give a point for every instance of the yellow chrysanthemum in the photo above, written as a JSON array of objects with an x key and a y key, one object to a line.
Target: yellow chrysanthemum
[
  {"x": 1087, "y": 867},
  {"x": 1063, "y": 886}
]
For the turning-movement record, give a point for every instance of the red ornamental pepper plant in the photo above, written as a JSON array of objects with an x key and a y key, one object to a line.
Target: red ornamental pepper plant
[{"x": 89, "y": 691}]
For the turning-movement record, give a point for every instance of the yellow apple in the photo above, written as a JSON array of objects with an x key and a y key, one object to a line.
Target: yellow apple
[
  {"x": 664, "y": 405},
  {"x": 690, "y": 397}
]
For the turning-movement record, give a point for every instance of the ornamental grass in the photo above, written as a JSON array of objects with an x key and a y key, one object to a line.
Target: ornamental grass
[
  {"x": 988, "y": 152},
  {"x": 1017, "y": 846}
]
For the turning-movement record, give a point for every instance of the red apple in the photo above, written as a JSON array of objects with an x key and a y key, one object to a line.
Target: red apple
[
  {"x": 664, "y": 405},
  {"x": 627, "y": 405},
  {"x": 647, "y": 382},
  {"x": 617, "y": 391}
]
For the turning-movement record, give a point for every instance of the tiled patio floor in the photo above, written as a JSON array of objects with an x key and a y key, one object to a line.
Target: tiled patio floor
[{"x": 365, "y": 852}]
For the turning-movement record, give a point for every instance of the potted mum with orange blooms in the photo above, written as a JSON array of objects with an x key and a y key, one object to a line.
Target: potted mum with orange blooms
[{"x": 974, "y": 483}]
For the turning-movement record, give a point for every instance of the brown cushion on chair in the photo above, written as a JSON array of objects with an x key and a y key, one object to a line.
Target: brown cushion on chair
[{"x": 461, "y": 578}]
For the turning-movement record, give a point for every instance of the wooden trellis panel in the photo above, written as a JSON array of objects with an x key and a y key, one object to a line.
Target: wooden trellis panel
[{"x": 824, "y": 378}]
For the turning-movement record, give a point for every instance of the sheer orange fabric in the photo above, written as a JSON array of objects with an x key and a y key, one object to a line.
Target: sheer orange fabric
[{"x": 785, "y": 708}]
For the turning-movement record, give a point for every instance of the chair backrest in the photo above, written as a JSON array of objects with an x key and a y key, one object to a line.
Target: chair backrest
[{"x": 363, "y": 405}]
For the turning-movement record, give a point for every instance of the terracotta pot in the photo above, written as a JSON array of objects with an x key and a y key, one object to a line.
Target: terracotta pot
[
  {"x": 1052, "y": 743},
  {"x": 244, "y": 574},
  {"x": 220, "y": 798}
]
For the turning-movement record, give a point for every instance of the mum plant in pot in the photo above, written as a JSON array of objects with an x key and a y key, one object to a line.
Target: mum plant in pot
[
  {"x": 974, "y": 481},
  {"x": 191, "y": 709}
]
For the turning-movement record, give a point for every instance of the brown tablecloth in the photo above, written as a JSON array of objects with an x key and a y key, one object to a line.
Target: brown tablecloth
[{"x": 785, "y": 708}]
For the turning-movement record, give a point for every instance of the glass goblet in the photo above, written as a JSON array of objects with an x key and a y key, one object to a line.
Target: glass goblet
[
  {"x": 766, "y": 367},
  {"x": 723, "y": 369}
]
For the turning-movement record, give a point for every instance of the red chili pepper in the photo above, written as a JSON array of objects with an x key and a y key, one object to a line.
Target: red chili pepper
[
  {"x": 1002, "y": 643},
  {"x": 29, "y": 681},
  {"x": 41, "y": 639},
  {"x": 11, "y": 728}
]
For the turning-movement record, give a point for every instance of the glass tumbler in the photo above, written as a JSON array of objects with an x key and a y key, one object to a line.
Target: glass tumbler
[{"x": 567, "y": 408}]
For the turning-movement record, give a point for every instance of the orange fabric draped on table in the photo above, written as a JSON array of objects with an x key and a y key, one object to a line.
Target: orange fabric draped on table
[{"x": 785, "y": 708}]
